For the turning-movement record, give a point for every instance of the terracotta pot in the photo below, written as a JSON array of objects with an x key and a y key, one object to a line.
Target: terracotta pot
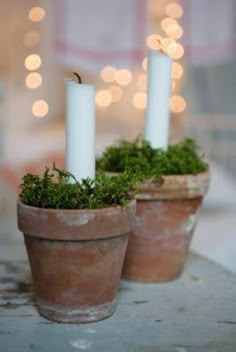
[
  {"x": 76, "y": 259},
  {"x": 165, "y": 220}
]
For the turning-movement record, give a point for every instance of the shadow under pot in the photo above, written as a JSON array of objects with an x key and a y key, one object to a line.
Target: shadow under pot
[
  {"x": 166, "y": 217},
  {"x": 76, "y": 259}
]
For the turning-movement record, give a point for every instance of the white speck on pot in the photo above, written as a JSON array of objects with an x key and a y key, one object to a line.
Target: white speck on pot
[
  {"x": 74, "y": 219},
  {"x": 81, "y": 344},
  {"x": 190, "y": 224}
]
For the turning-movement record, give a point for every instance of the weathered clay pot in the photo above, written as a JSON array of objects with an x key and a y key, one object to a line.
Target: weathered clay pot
[
  {"x": 76, "y": 259},
  {"x": 165, "y": 220}
]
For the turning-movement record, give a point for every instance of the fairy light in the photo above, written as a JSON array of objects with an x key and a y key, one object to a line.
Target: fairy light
[
  {"x": 175, "y": 50},
  {"x": 174, "y": 10},
  {"x": 177, "y": 104},
  {"x": 123, "y": 77},
  {"x": 103, "y": 98},
  {"x": 166, "y": 22},
  {"x": 140, "y": 100},
  {"x": 144, "y": 64},
  {"x": 33, "y": 62},
  {"x": 173, "y": 85},
  {"x": 154, "y": 41},
  {"x": 116, "y": 93},
  {"x": 33, "y": 80},
  {"x": 40, "y": 108},
  {"x": 108, "y": 73},
  {"x": 177, "y": 70},
  {"x": 36, "y": 14},
  {"x": 174, "y": 31},
  {"x": 165, "y": 43}
]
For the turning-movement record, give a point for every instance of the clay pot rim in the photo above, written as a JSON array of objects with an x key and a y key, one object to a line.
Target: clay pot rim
[
  {"x": 75, "y": 224},
  {"x": 85, "y": 210},
  {"x": 207, "y": 171},
  {"x": 175, "y": 187}
]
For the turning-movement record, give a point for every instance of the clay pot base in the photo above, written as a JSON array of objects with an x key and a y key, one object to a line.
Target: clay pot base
[
  {"x": 159, "y": 243},
  {"x": 70, "y": 315},
  {"x": 76, "y": 259},
  {"x": 77, "y": 281}
]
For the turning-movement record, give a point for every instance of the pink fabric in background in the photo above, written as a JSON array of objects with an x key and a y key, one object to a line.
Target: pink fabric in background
[
  {"x": 91, "y": 34},
  {"x": 209, "y": 31}
]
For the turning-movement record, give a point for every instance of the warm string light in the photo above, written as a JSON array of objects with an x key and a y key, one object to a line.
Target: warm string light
[
  {"x": 113, "y": 93},
  {"x": 177, "y": 104},
  {"x": 33, "y": 61},
  {"x": 33, "y": 80},
  {"x": 144, "y": 64},
  {"x": 169, "y": 45},
  {"x": 40, "y": 108},
  {"x": 174, "y": 10},
  {"x": 108, "y": 73},
  {"x": 154, "y": 41},
  {"x": 103, "y": 98},
  {"x": 36, "y": 14},
  {"x": 140, "y": 100},
  {"x": 123, "y": 77}
]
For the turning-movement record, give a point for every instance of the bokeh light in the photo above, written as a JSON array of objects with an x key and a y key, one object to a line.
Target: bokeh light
[
  {"x": 166, "y": 42},
  {"x": 177, "y": 70},
  {"x": 144, "y": 64},
  {"x": 173, "y": 85},
  {"x": 140, "y": 100},
  {"x": 174, "y": 10},
  {"x": 174, "y": 31},
  {"x": 108, "y": 73},
  {"x": 33, "y": 62},
  {"x": 40, "y": 108},
  {"x": 36, "y": 14},
  {"x": 123, "y": 77},
  {"x": 33, "y": 80},
  {"x": 175, "y": 50},
  {"x": 177, "y": 104},
  {"x": 31, "y": 39},
  {"x": 166, "y": 22},
  {"x": 154, "y": 41},
  {"x": 103, "y": 98}
]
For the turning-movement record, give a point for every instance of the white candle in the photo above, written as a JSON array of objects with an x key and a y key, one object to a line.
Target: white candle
[
  {"x": 157, "y": 113},
  {"x": 80, "y": 130}
]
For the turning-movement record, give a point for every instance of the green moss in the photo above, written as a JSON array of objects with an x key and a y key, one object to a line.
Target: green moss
[
  {"x": 52, "y": 190},
  {"x": 139, "y": 158}
]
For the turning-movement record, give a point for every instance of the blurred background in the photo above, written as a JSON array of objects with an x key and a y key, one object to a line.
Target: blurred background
[{"x": 106, "y": 42}]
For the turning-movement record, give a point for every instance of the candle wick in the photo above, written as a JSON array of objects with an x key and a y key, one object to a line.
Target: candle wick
[
  {"x": 160, "y": 44},
  {"x": 78, "y": 77}
]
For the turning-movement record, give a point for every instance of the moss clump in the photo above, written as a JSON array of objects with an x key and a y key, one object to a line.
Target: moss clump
[
  {"x": 141, "y": 159},
  {"x": 52, "y": 190}
]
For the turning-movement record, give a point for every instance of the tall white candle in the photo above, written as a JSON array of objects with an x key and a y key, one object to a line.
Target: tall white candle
[
  {"x": 157, "y": 113},
  {"x": 80, "y": 130}
]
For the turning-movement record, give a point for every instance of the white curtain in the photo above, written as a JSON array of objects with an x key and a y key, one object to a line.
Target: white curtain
[{"x": 91, "y": 34}]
